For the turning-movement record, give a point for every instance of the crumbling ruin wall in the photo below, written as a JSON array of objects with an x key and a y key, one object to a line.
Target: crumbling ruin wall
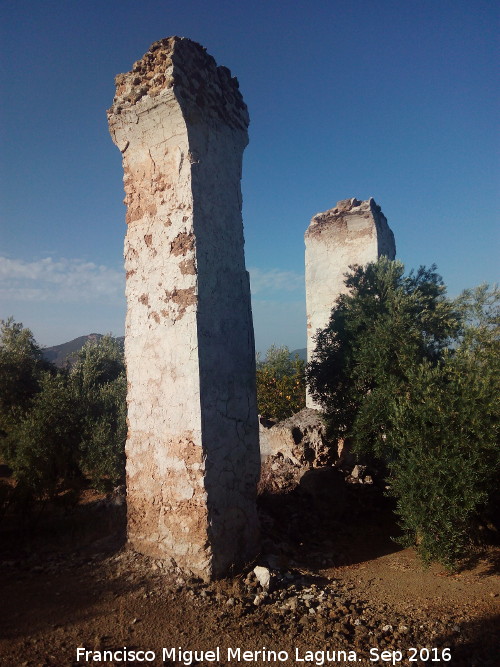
[
  {"x": 300, "y": 438},
  {"x": 192, "y": 447},
  {"x": 354, "y": 232}
]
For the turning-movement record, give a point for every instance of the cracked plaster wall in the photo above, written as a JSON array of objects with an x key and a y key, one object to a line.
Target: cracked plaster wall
[
  {"x": 353, "y": 232},
  {"x": 192, "y": 447}
]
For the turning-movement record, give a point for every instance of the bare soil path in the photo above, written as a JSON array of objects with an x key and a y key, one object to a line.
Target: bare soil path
[{"x": 337, "y": 593}]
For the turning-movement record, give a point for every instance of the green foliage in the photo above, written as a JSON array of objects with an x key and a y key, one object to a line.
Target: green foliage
[
  {"x": 21, "y": 370},
  {"x": 280, "y": 384},
  {"x": 59, "y": 426},
  {"x": 99, "y": 382},
  {"x": 46, "y": 455},
  {"x": 444, "y": 454},
  {"x": 410, "y": 377},
  {"x": 98, "y": 363},
  {"x": 385, "y": 325},
  {"x": 21, "y": 366},
  {"x": 480, "y": 319}
]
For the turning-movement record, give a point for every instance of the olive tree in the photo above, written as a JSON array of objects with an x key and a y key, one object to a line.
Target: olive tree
[{"x": 410, "y": 377}]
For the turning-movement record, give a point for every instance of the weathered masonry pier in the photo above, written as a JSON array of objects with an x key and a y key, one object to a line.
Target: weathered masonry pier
[
  {"x": 354, "y": 232},
  {"x": 192, "y": 448}
]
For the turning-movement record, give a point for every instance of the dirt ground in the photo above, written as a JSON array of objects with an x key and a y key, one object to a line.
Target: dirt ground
[{"x": 341, "y": 591}]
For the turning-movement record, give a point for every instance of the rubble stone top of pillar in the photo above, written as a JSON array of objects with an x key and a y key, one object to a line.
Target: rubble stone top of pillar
[
  {"x": 184, "y": 67},
  {"x": 345, "y": 208}
]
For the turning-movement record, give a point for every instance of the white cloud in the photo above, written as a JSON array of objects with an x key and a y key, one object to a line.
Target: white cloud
[
  {"x": 61, "y": 280},
  {"x": 60, "y": 299},
  {"x": 275, "y": 280},
  {"x": 75, "y": 280}
]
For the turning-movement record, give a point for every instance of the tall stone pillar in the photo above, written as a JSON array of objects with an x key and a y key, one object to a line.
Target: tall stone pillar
[
  {"x": 353, "y": 232},
  {"x": 193, "y": 445}
]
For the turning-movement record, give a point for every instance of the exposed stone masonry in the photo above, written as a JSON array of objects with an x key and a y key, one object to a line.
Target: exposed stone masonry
[
  {"x": 192, "y": 447},
  {"x": 353, "y": 232}
]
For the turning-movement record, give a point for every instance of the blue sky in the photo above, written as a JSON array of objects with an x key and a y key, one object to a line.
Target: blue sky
[{"x": 395, "y": 100}]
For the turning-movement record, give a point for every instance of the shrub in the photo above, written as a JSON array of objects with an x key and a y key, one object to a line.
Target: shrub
[
  {"x": 58, "y": 426},
  {"x": 99, "y": 384},
  {"x": 46, "y": 458},
  {"x": 385, "y": 325},
  {"x": 280, "y": 384},
  {"x": 22, "y": 368},
  {"x": 411, "y": 377},
  {"x": 444, "y": 456}
]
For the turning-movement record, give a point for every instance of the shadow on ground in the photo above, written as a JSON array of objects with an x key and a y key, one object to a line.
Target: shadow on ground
[
  {"x": 474, "y": 644},
  {"x": 326, "y": 522},
  {"x": 48, "y": 563}
]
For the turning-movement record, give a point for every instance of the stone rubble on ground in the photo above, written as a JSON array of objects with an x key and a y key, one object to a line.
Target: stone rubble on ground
[
  {"x": 301, "y": 439},
  {"x": 334, "y": 611}
]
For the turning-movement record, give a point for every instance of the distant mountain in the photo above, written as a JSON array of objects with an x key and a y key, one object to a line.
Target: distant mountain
[
  {"x": 65, "y": 353},
  {"x": 302, "y": 352}
]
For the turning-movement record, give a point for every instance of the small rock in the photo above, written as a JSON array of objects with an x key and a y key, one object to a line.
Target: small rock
[{"x": 263, "y": 575}]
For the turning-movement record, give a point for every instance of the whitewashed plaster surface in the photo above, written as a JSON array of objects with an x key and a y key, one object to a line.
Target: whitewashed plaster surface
[
  {"x": 192, "y": 447},
  {"x": 353, "y": 232}
]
